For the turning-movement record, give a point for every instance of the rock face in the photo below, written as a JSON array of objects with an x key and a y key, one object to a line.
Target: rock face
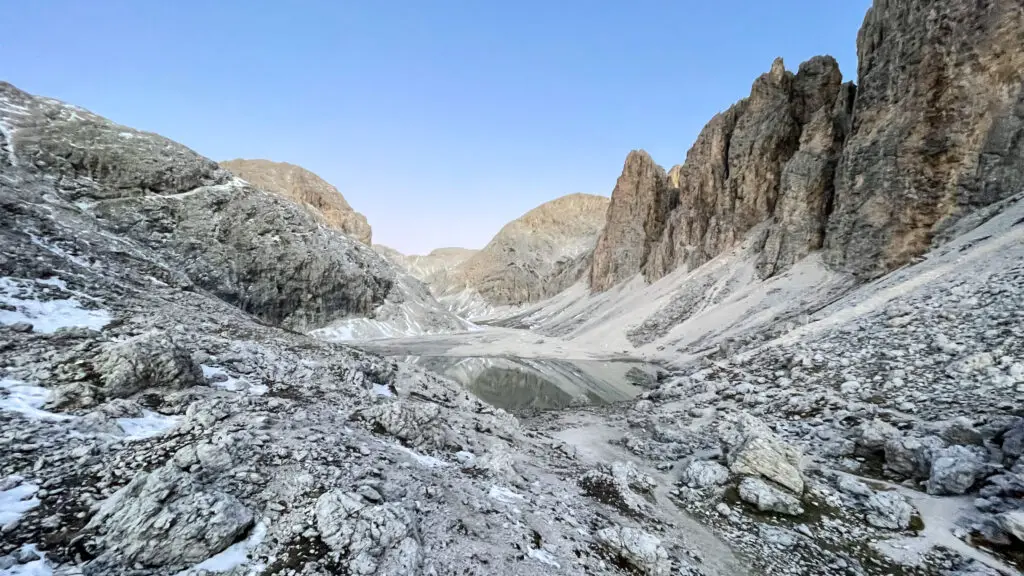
[
  {"x": 871, "y": 173},
  {"x": 165, "y": 518},
  {"x": 770, "y": 156},
  {"x": 199, "y": 227},
  {"x": 636, "y": 217},
  {"x": 938, "y": 127},
  {"x": 305, "y": 188},
  {"x": 537, "y": 255}
]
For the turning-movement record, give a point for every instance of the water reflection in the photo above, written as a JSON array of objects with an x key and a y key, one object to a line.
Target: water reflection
[{"x": 526, "y": 384}]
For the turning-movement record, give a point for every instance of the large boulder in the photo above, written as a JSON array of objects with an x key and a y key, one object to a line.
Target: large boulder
[
  {"x": 757, "y": 451},
  {"x": 166, "y": 519},
  {"x": 956, "y": 469},
  {"x": 889, "y": 510},
  {"x": 152, "y": 360},
  {"x": 637, "y": 549},
  {"x": 768, "y": 498},
  {"x": 371, "y": 538}
]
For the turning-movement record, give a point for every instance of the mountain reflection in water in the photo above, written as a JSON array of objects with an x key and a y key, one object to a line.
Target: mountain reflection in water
[{"x": 528, "y": 384}]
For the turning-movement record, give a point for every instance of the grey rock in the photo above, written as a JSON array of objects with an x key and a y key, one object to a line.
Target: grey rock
[
  {"x": 955, "y": 470},
  {"x": 152, "y": 360},
  {"x": 912, "y": 457},
  {"x": 165, "y": 518},
  {"x": 760, "y": 452},
  {"x": 889, "y": 510},
  {"x": 767, "y": 498},
  {"x": 873, "y": 436},
  {"x": 1013, "y": 523},
  {"x": 704, "y": 474},
  {"x": 855, "y": 487},
  {"x": 640, "y": 550},
  {"x": 374, "y": 539}
]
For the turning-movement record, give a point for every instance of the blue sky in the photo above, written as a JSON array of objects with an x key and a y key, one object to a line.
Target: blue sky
[{"x": 440, "y": 120}]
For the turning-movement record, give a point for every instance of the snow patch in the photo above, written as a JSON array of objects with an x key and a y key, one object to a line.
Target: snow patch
[
  {"x": 423, "y": 459},
  {"x": 148, "y": 425},
  {"x": 504, "y": 495},
  {"x": 543, "y": 557},
  {"x": 382, "y": 390},
  {"x": 225, "y": 381},
  {"x": 27, "y": 400},
  {"x": 16, "y": 501},
  {"x": 231, "y": 557},
  {"x": 38, "y": 567},
  {"x": 46, "y": 316}
]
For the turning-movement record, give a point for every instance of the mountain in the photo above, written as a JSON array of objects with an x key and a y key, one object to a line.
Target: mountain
[
  {"x": 870, "y": 174},
  {"x": 307, "y": 189},
  {"x": 536, "y": 255},
  {"x": 435, "y": 269},
  {"x": 194, "y": 224}
]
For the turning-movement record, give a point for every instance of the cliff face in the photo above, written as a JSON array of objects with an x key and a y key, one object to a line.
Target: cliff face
[
  {"x": 771, "y": 155},
  {"x": 870, "y": 173},
  {"x": 938, "y": 127},
  {"x": 193, "y": 224},
  {"x": 308, "y": 190}
]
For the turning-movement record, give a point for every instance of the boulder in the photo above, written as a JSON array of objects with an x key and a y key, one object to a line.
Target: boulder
[
  {"x": 956, "y": 469},
  {"x": 760, "y": 452},
  {"x": 638, "y": 549},
  {"x": 889, "y": 510},
  {"x": 704, "y": 474},
  {"x": 767, "y": 498},
  {"x": 152, "y": 360},
  {"x": 166, "y": 519},
  {"x": 910, "y": 456},
  {"x": 372, "y": 538}
]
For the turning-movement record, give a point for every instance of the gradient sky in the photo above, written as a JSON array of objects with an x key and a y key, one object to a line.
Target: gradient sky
[{"x": 441, "y": 120}]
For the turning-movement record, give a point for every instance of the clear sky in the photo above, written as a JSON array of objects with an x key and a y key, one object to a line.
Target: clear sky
[{"x": 440, "y": 120}]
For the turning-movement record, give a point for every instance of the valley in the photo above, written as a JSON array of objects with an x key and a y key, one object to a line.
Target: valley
[{"x": 800, "y": 350}]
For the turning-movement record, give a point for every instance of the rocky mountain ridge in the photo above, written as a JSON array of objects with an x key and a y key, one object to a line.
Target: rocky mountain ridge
[
  {"x": 307, "y": 189},
  {"x": 869, "y": 173}
]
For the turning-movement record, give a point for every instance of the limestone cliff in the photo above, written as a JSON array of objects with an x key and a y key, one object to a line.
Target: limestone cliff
[
  {"x": 938, "y": 127},
  {"x": 306, "y": 188},
  {"x": 194, "y": 225},
  {"x": 770, "y": 155},
  {"x": 871, "y": 173}
]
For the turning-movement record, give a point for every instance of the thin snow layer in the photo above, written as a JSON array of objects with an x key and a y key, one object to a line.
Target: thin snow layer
[
  {"x": 231, "y": 557},
  {"x": 423, "y": 459},
  {"x": 543, "y": 557},
  {"x": 146, "y": 426},
  {"x": 408, "y": 319},
  {"x": 225, "y": 381},
  {"x": 27, "y": 400},
  {"x": 504, "y": 495},
  {"x": 16, "y": 501},
  {"x": 45, "y": 316},
  {"x": 381, "y": 390},
  {"x": 38, "y": 567}
]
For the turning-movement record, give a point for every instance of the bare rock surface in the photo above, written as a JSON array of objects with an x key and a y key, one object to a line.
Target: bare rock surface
[
  {"x": 306, "y": 189},
  {"x": 535, "y": 256}
]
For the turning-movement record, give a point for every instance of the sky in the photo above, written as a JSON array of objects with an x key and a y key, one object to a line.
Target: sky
[{"x": 440, "y": 120}]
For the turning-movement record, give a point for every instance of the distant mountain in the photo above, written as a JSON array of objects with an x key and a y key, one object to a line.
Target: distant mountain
[
  {"x": 306, "y": 188},
  {"x": 435, "y": 268}
]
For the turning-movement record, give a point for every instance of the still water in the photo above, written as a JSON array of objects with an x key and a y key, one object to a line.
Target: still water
[{"x": 530, "y": 384}]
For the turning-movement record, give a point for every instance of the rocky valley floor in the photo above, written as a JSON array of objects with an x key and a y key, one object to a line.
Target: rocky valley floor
[{"x": 153, "y": 429}]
